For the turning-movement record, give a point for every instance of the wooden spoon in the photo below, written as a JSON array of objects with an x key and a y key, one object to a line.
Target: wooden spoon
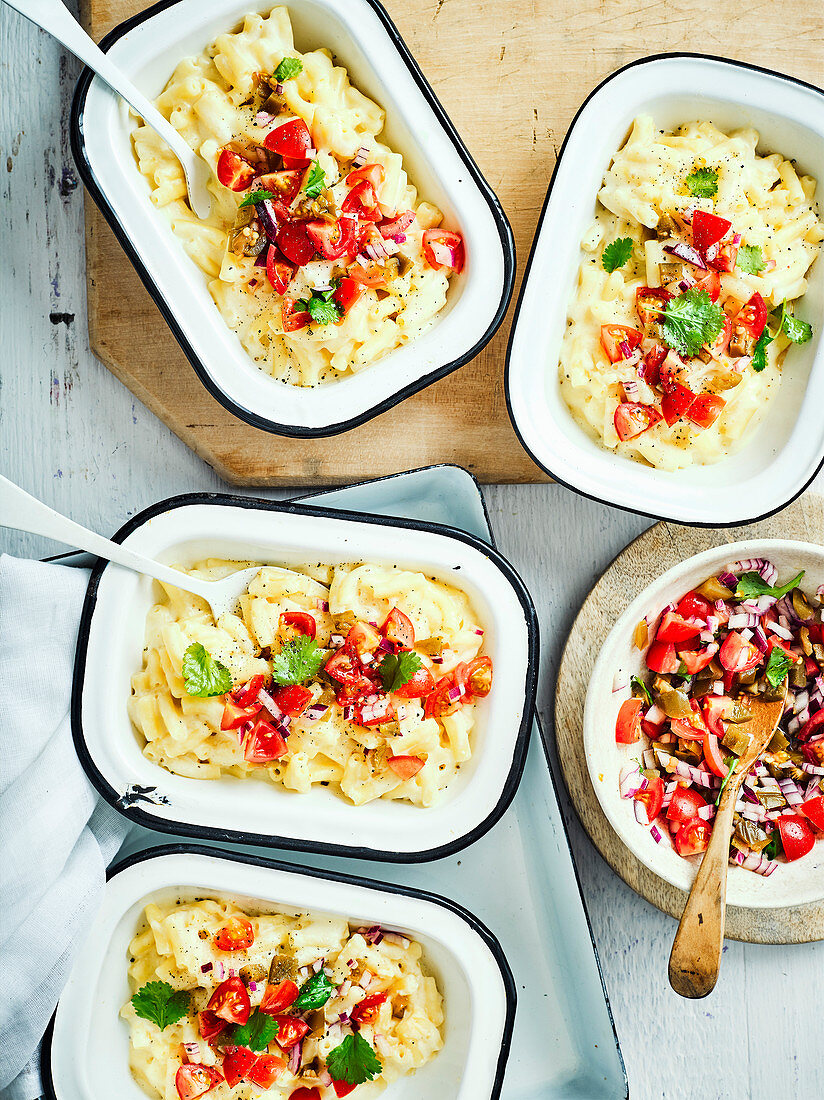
[{"x": 696, "y": 951}]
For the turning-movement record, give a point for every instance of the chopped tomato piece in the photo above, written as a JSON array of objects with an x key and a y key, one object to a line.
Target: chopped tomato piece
[
  {"x": 342, "y": 1088},
  {"x": 652, "y": 797},
  {"x": 293, "y": 319},
  {"x": 676, "y": 402},
  {"x": 632, "y": 419},
  {"x": 292, "y": 140},
  {"x": 809, "y": 728},
  {"x": 398, "y": 629},
  {"x": 675, "y": 628},
  {"x": 305, "y": 1093},
  {"x": 695, "y": 606},
  {"x": 737, "y": 654},
  {"x": 714, "y": 757},
  {"x": 292, "y": 700},
  {"x": 366, "y": 1011},
  {"x": 277, "y": 998},
  {"x": 230, "y": 1002},
  {"x": 301, "y": 621},
  {"x": 236, "y": 1064},
  {"x": 421, "y": 685},
  {"x": 711, "y": 282},
  {"x": 661, "y": 657},
  {"x": 372, "y": 275},
  {"x": 362, "y": 202},
  {"x": 363, "y": 638},
  {"x": 440, "y": 701},
  {"x": 333, "y": 239},
  {"x": 265, "y": 1071},
  {"x": 619, "y": 341},
  {"x": 283, "y": 185},
  {"x": 236, "y": 935},
  {"x": 291, "y": 1029},
  {"x": 705, "y": 409},
  {"x": 649, "y": 302},
  {"x": 698, "y": 659},
  {"x": 375, "y": 714},
  {"x": 372, "y": 173},
  {"x": 753, "y": 316},
  {"x": 279, "y": 271},
  {"x": 405, "y": 766},
  {"x": 248, "y": 693},
  {"x": 651, "y": 364},
  {"x": 295, "y": 243},
  {"x": 234, "y": 716},
  {"x": 397, "y": 227},
  {"x": 813, "y": 810},
  {"x": 628, "y": 722},
  {"x": 344, "y": 667},
  {"x": 797, "y": 838},
  {"x": 708, "y": 229},
  {"x": 234, "y": 171},
  {"x": 443, "y": 248},
  {"x": 684, "y": 805},
  {"x": 693, "y": 837},
  {"x": 723, "y": 257},
  {"x": 264, "y": 744},
  {"x": 193, "y": 1080},
  {"x": 348, "y": 292},
  {"x": 479, "y": 676},
  {"x": 210, "y": 1024},
  {"x": 715, "y": 707}
]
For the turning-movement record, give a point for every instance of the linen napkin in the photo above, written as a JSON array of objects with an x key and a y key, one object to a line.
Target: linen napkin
[{"x": 56, "y": 835}]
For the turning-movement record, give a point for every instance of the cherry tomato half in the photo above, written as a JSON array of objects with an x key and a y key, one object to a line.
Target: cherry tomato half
[
  {"x": 813, "y": 810},
  {"x": 291, "y": 1029},
  {"x": 264, "y": 743},
  {"x": 278, "y": 997},
  {"x": 398, "y": 629},
  {"x": 421, "y": 685},
  {"x": 705, "y": 409},
  {"x": 619, "y": 341},
  {"x": 753, "y": 316},
  {"x": 737, "y": 654},
  {"x": 342, "y": 1088},
  {"x": 348, "y": 292},
  {"x": 295, "y": 243},
  {"x": 443, "y": 249},
  {"x": 797, "y": 838},
  {"x": 292, "y": 700},
  {"x": 693, "y": 837},
  {"x": 633, "y": 418},
  {"x": 661, "y": 657},
  {"x": 236, "y": 935},
  {"x": 291, "y": 139},
  {"x": 293, "y": 319},
  {"x": 301, "y": 621},
  {"x": 708, "y": 229},
  {"x": 684, "y": 805},
  {"x": 265, "y": 1071},
  {"x": 236, "y": 1064},
  {"x": 193, "y": 1080},
  {"x": 652, "y": 797},
  {"x": 628, "y": 722},
  {"x": 279, "y": 271},
  {"x": 405, "y": 766},
  {"x": 366, "y": 1011},
  {"x": 230, "y": 1001},
  {"x": 234, "y": 171}
]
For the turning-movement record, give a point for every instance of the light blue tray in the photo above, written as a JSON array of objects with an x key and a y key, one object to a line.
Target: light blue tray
[{"x": 519, "y": 878}]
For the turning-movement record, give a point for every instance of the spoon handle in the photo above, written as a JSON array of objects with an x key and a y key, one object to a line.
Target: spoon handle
[
  {"x": 23, "y": 512},
  {"x": 52, "y": 16},
  {"x": 696, "y": 950}
]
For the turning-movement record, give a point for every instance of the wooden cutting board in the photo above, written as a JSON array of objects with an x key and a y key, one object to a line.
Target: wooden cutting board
[
  {"x": 651, "y": 554},
  {"x": 511, "y": 75}
]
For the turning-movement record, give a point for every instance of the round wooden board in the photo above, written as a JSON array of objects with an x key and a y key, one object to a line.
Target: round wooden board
[{"x": 658, "y": 549}]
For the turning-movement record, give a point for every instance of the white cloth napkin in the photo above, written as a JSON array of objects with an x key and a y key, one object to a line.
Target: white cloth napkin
[{"x": 56, "y": 836}]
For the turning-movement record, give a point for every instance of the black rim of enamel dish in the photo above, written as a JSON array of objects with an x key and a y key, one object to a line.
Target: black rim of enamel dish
[
  {"x": 254, "y": 860},
  {"x": 124, "y": 804},
  {"x": 524, "y": 282},
  {"x": 130, "y": 248}
]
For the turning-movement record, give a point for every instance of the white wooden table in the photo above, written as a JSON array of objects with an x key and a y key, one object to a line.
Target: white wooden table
[{"x": 72, "y": 435}]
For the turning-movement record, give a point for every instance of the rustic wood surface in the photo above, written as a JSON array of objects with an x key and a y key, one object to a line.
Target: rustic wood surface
[
  {"x": 78, "y": 439},
  {"x": 650, "y": 555},
  {"x": 533, "y": 61}
]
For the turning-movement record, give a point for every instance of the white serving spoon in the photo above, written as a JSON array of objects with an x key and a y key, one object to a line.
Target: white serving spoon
[
  {"x": 54, "y": 18},
  {"x": 23, "y": 512}
]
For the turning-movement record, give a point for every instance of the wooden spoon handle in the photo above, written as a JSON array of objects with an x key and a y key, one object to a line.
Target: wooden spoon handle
[{"x": 696, "y": 951}]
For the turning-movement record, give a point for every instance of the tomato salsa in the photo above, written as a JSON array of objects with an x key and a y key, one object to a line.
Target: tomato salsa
[{"x": 737, "y": 635}]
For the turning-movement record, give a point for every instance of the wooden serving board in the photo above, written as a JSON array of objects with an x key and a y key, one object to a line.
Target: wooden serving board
[
  {"x": 511, "y": 76},
  {"x": 651, "y": 554}
]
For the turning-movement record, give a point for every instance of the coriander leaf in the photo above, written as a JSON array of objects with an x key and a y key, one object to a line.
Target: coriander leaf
[
  {"x": 752, "y": 585},
  {"x": 778, "y": 666},
  {"x": 255, "y": 196},
  {"x": 314, "y": 993},
  {"x": 288, "y": 69},
  {"x": 794, "y": 329},
  {"x": 160, "y": 1003},
  {"x": 759, "y": 354},
  {"x": 750, "y": 259},
  {"x": 397, "y": 669},
  {"x": 703, "y": 183},
  {"x": 315, "y": 181},
  {"x": 774, "y": 848},
  {"x": 203, "y": 675},
  {"x": 638, "y": 685},
  {"x": 323, "y": 312},
  {"x": 691, "y": 321},
  {"x": 257, "y": 1033},
  {"x": 353, "y": 1061},
  {"x": 730, "y": 761},
  {"x": 299, "y": 660},
  {"x": 615, "y": 255}
]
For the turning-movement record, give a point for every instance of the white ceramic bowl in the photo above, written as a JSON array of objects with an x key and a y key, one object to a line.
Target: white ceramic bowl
[
  {"x": 147, "y": 48},
  {"x": 88, "y": 1052},
  {"x": 189, "y": 528},
  {"x": 788, "y": 447},
  {"x": 792, "y": 883}
]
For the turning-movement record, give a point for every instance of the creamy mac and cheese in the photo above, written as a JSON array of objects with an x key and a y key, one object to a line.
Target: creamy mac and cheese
[
  {"x": 671, "y": 353},
  {"x": 229, "y": 1001},
  {"x": 317, "y": 252},
  {"x": 357, "y": 676}
]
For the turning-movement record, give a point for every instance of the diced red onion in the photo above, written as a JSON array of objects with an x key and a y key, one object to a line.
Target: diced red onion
[
  {"x": 316, "y": 965},
  {"x": 294, "y": 1058},
  {"x": 336, "y": 641},
  {"x": 348, "y": 714},
  {"x": 656, "y": 715},
  {"x": 396, "y": 938},
  {"x": 705, "y": 812},
  {"x": 278, "y": 89},
  {"x": 619, "y": 681},
  {"x": 686, "y": 253},
  {"x": 479, "y": 631},
  {"x": 811, "y": 769},
  {"x": 641, "y": 815},
  {"x": 263, "y": 118},
  {"x": 729, "y": 580},
  {"x": 782, "y": 631},
  {"x": 325, "y": 1077},
  {"x": 629, "y": 781},
  {"x": 205, "y": 968},
  {"x": 754, "y": 862},
  {"x": 315, "y": 712},
  {"x": 760, "y": 639},
  {"x": 791, "y": 792},
  {"x": 219, "y": 971},
  {"x": 365, "y": 980},
  {"x": 268, "y": 218},
  {"x": 761, "y": 566},
  {"x": 360, "y": 157},
  {"x": 372, "y": 935},
  {"x": 192, "y": 1051}
]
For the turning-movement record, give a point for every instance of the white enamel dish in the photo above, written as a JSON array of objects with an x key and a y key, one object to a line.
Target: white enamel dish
[
  {"x": 147, "y": 48},
  {"x": 791, "y": 883},
  {"x": 787, "y": 449},
  {"x": 189, "y": 528},
  {"x": 88, "y": 1053}
]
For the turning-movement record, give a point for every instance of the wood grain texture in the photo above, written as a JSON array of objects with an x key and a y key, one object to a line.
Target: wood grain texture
[
  {"x": 528, "y": 63},
  {"x": 650, "y": 555}
]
